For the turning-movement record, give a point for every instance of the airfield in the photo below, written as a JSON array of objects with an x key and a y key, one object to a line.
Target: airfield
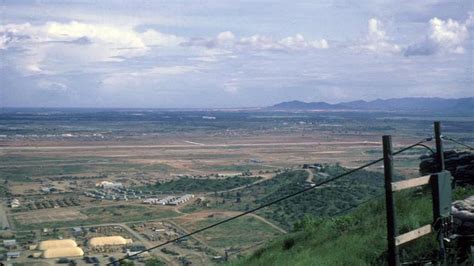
[{"x": 54, "y": 178}]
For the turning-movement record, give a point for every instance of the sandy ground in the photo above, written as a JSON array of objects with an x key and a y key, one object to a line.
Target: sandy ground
[{"x": 49, "y": 215}]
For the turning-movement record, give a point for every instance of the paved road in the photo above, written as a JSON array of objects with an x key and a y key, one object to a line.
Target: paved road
[{"x": 7, "y": 148}]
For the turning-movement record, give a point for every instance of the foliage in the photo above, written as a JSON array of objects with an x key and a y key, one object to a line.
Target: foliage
[
  {"x": 354, "y": 239},
  {"x": 187, "y": 184},
  {"x": 335, "y": 199},
  {"x": 241, "y": 232},
  {"x": 107, "y": 214},
  {"x": 3, "y": 191},
  {"x": 154, "y": 262}
]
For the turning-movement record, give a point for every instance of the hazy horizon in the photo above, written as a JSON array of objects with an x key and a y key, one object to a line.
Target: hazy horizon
[
  {"x": 157, "y": 54},
  {"x": 210, "y": 107}
]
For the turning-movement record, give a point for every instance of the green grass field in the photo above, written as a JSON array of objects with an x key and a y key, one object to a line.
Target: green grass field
[
  {"x": 204, "y": 185},
  {"x": 109, "y": 214},
  {"x": 25, "y": 172},
  {"x": 358, "y": 238},
  {"x": 237, "y": 233},
  {"x": 125, "y": 213}
]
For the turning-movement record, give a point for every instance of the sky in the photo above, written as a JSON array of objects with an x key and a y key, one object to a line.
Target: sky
[{"x": 226, "y": 54}]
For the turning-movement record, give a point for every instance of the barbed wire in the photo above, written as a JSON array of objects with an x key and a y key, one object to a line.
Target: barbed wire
[
  {"x": 324, "y": 182},
  {"x": 231, "y": 253},
  {"x": 457, "y": 142}
]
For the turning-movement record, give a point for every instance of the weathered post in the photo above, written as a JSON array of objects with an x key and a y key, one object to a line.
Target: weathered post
[
  {"x": 392, "y": 255},
  {"x": 441, "y": 181},
  {"x": 439, "y": 146},
  {"x": 441, "y": 192}
]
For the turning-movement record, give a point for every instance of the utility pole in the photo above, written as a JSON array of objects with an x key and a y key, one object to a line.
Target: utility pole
[{"x": 393, "y": 259}]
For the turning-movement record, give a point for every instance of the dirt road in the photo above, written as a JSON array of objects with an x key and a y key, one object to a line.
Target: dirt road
[
  {"x": 4, "y": 223},
  {"x": 310, "y": 177},
  {"x": 281, "y": 230}
]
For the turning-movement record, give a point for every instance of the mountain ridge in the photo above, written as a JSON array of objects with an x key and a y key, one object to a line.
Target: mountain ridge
[{"x": 428, "y": 104}]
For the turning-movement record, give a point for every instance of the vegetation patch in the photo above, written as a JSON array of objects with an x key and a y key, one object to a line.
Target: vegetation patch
[
  {"x": 100, "y": 215},
  {"x": 3, "y": 191},
  {"x": 187, "y": 184},
  {"x": 241, "y": 232},
  {"x": 358, "y": 238},
  {"x": 336, "y": 198},
  {"x": 126, "y": 213}
]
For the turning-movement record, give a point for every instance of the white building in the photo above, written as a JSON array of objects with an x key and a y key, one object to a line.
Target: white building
[
  {"x": 9, "y": 243},
  {"x": 109, "y": 185},
  {"x": 15, "y": 203},
  {"x": 151, "y": 201},
  {"x": 166, "y": 200},
  {"x": 181, "y": 200}
]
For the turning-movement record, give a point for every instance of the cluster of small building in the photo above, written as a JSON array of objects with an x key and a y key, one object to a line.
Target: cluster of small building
[
  {"x": 158, "y": 231},
  {"x": 52, "y": 203},
  {"x": 14, "y": 203},
  {"x": 10, "y": 244},
  {"x": 49, "y": 189},
  {"x": 65, "y": 248},
  {"x": 113, "y": 191},
  {"x": 169, "y": 200},
  {"x": 316, "y": 166}
]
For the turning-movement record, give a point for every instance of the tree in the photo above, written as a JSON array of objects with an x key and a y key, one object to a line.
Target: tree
[{"x": 154, "y": 262}]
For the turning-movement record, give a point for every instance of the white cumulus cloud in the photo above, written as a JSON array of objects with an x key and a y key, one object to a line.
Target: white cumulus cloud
[
  {"x": 450, "y": 35},
  {"x": 155, "y": 38},
  {"x": 376, "y": 39},
  {"x": 444, "y": 36},
  {"x": 225, "y": 37},
  {"x": 298, "y": 42},
  {"x": 76, "y": 44},
  {"x": 227, "y": 40}
]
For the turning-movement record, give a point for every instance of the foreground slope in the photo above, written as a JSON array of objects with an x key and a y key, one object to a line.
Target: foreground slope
[{"x": 355, "y": 239}]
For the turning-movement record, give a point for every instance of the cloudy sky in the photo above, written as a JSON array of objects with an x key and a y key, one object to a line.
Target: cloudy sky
[{"x": 167, "y": 54}]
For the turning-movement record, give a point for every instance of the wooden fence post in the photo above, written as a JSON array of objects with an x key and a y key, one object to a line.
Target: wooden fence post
[
  {"x": 392, "y": 232},
  {"x": 441, "y": 193},
  {"x": 439, "y": 146}
]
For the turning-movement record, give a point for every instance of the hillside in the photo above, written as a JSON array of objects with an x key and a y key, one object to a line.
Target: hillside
[
  {"x": 354, "y": 239},
  {"x": 464, "y": 105}
]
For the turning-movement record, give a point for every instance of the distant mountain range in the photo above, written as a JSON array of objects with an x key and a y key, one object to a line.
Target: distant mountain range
[{"x": 418, "y": 104}]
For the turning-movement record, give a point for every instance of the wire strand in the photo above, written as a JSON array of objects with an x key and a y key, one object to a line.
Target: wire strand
[
  {"x": 332, "y": 215},
  {"x": 326, "y": 181},
  {"x": 359, "y": 204},
  {"x": 458, "y": 142}
]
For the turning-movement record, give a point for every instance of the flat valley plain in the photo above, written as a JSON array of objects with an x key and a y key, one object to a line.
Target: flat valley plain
[{"x": 71, "y": 150}]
